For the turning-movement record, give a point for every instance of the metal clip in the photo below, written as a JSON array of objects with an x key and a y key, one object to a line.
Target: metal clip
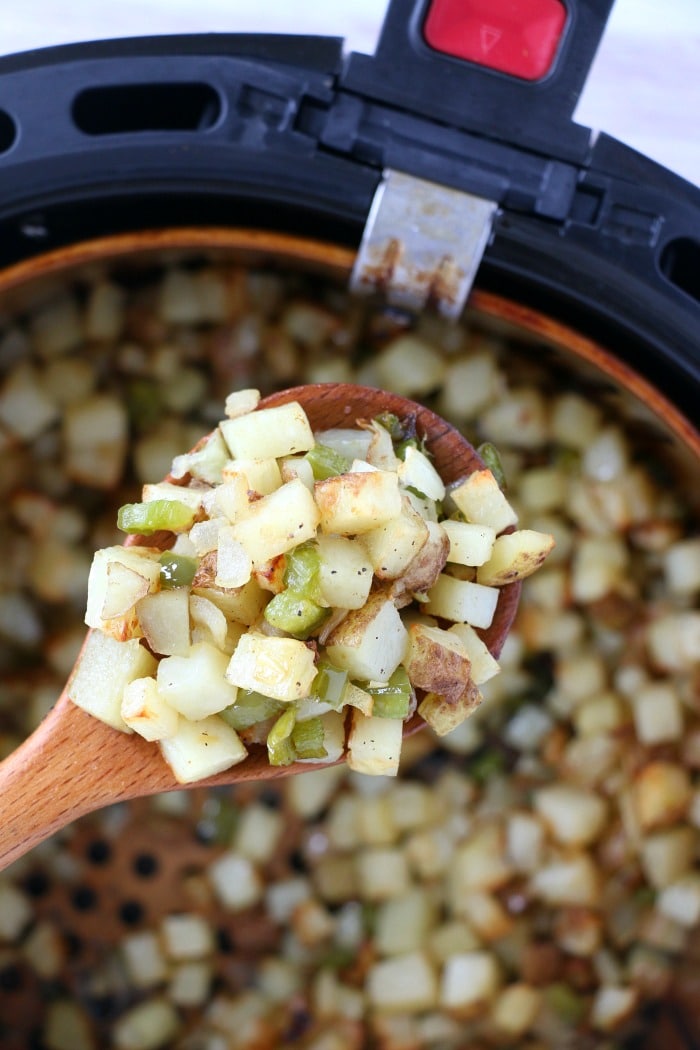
[{"x": 422, "y": 244}]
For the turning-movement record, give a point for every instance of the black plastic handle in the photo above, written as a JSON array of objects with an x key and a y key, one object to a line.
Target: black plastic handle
[{"x": 406, "y": 73}]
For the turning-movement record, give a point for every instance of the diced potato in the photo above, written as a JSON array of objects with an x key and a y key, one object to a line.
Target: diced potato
[
  {"x": 269, "y": 433},
  {"x": 236, "y": 881},
  {"x": 164, "y": 619},
  {"x": 191, "y": 497},
  {"x": 575, "y": 420},
  {"x": 417, "y": 471},
  {"x": 143, "y": 957},
  {"x": 292, "y": 467},
  {"x": 667, "y": 855},
  {"x": 427, "y": 565},
  {"x": 393, "y": 545},
  {"x": 470, "y": 544},
  {"x": 229, "y": 499},
  {"x": 486, "y": 915},
  {"x": 201, "y": 749},
  {"x": 579, "y": 931},
  {"x": 483, "y": 665},
  {"x": 680, "y": 900},
  {"x": 151, "y": 1024},
  {"x": 66, "y": 1026},
  {"x": 410, "y": 366},
  {"x": 470, "y": 981},
  {"x": 282, "y": 668},
  {"x": 276, "y": 523},
  {"x": 345, "y": 572},
  {"x": 104, "y": 668},
  {"x": 370, "y": 642},
  {"x": 518, "y": 418},
  {"x": 186, "y": 936},
  {"x": 243, "y": 605},
  {"x": 382, "y": 873},
  {"x": 145, "y": 710},
  {"x": 514, "y": 557},
  {"x": 95, "y": 432},
  {"x": 575, "y": 816},
  {"x": 662, "y": 792},
  {"x": 525, "y": 841},
  {"x": 26, "y": 408},
  {"x": 437, "y": 662},
  {"x": 471, "y": 382},
  {"x": 573, "y": 881},
  {"x": 262, "y": 475},
  {"x": 480, "y": 863},
  {"x": 443, "y": 715},
  {"x": 404, "y": 984},
  {"x": 462, "y": 601},
  {"x": 516, "y": 1009},
  {"x": 374, "y": 744},
  {"x": 612, "y": 1006},
  {"x": 205, "y": 462},
  {"x": 481, "y": 500},
  {"x": 354, "y": 503},
  {"x": 195, "y": 685},
  {"x": 682, "y": 566},
  {"x": 658, "y": 713}
]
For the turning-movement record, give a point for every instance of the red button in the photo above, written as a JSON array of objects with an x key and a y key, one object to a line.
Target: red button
[{"x": 519, "y": 37}]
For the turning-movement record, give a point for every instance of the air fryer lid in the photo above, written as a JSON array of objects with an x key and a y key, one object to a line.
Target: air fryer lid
[{"x": 472, "y": 102}]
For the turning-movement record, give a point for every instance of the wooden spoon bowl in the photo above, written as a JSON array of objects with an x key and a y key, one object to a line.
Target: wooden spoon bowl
[{"x": 74, "y": 764}]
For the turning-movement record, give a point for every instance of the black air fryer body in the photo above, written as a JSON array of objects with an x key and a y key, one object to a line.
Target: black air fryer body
[{"x": 289, "y": 134}]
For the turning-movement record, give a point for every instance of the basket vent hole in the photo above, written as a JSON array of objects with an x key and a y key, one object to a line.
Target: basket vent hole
[
  {"x": 84, "y": 898},
  {"x": 121, "y": 109},
  {"x": 99, "y": 852},
  {"x": 680, "y": 264},
  {"x": 8, "y": 131},
  {"x": 37, "y": 884},
  {"x": 131, "y": 913},
  {"x": 145, "y": 865}
]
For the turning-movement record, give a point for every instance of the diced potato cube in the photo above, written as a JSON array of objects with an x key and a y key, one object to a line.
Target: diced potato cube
[
  {"x": 242, "y": 605},
  {"x": 145, "y": 710},
  {"x": 374, "y": 744},
  {"x": 410, "y": 366},
  {"x": 345, "y": 572},
  {"x": 201, "y": 749},
  {"x": 480, "y": 862},
  {"x": 481, "y": 500},
  {"x": 370, "y": 642},
  {"x": 186, "y": 936},
  {"x": 26, "y": 408},
  {"x": 276, "y": 523},
  {"x": 417, "y": 471},
  {"x": 574, "y": 815},
  {"x": 269, "y": 433},
  {"x": 95, "y": 432},
  {"x": 462, "y": 601},
  {"x": 483, "y": 665},
  {"x": 662, "y": 792},
  {"x": 393, "y": 545},
  {"x": 382, "y": 873},
  {"x": 191, "y": 497},
  {"x": 404, "y": 984},
  {"x": 151, "y": 1024},
  {"x": 143, "y": 956},
  {"x": 612, "y": 1006},
  {"x": 680, "y": 900},
  {"x": 164, "y": 619},
  {"x": 403, "y": 923},
  {"x": 470, "y": 981},
  {"x": 516, "y": 1009},
  {"x": 350, "y": 504},
  {"x": 103, "y": 670},
  {"x": 667, "y": 855},
  {"x": 658, "y": 713},
  {"x": 292, "y": 467},
  {"x": 195, "y": 685},
  {"x": 682, "y": 566},
  {"x": 470, "y": 544},
  {"x": 262, "y": 475},
  {"x": 573, "y": 881},
  {"x": 436, "y": 662},
  {"x": 282, "y": 668},
  {"x": 236, "y": 881},
  {"x": 514, "y": 557}
]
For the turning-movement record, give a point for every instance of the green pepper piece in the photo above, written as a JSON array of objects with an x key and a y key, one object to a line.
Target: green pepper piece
[
  {"x": 566, "y": 1003},
  {"x": 393, "y": 424},
  {"x": 302, "y": 571},
  {"x": 329, "y": 685},
  {"x": 307, "y": 738},
  {"x": 289, "y": 611},
  {"x": 326, "y": 462},
  {"x": 492, "y": 460},
  {"x": 250, "y": 708},
  {"x": 176, "y": 570},
  {"x": 160, "y": 515},
  {"x": 280, "y": 745},
  {"x": 393, "y": 698}
]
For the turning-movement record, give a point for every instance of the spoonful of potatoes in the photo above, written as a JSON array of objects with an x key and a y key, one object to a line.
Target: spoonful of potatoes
[{"x": 328, "y": 570}]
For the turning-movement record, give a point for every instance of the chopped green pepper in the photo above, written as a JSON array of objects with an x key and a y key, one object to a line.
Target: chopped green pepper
[
  {"x": 160, "y": 515},
  {"x": 302, "y": 571},
  {"x": 250, "y": 708},
  {"x": 392, "y": 423},
  {"x": 566, "y": 1003},
  {"x": 492, "y": 460},
  {"x": 307, "y": 738},
  {"x": 329, "y": 685},
  {"x": 393, "y": 698},
  {"x": 289, "y": 611},
  {"x": 280, "y": 745},
  {"x": 176, "y": 570},
  {"x": 326, "y": 462}
]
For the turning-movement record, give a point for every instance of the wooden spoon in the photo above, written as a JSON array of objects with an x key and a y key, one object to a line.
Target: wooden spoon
[{"x": 73, "y": 764}]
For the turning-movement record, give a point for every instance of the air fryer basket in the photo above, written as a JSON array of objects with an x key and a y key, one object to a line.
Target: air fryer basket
[{"x": 266, "y": 178}]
